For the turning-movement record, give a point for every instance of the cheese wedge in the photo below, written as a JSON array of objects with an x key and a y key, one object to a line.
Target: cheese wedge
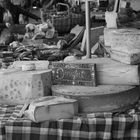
[
  {"x": 18, "y": 87},
  {"x": 126, "y": 40},
  {"x": 126, "y": 58},
  {"x": 40, "y": 65},
  {"x": 51, "y": 108}
]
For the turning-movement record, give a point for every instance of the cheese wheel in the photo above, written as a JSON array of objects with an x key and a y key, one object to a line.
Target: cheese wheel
[{"x": 101, "y": 98}]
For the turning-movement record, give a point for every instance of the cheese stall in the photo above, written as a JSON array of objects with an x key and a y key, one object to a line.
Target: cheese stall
[{"x": 84, "y": 84}]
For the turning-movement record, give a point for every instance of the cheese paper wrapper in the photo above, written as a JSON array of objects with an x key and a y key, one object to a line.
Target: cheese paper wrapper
[{"x": 51, "y": 108}]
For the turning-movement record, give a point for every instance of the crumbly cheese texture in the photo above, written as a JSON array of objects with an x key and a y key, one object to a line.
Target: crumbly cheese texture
[{"x": 18, "y": 87}]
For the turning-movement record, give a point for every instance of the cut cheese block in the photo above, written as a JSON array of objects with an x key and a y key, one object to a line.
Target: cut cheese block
[
  {"x": 18, "y": 87},
  {"x": 108, "y": 36},
  {"x": 111, "y": 72},
  {"x": 127, "y": 58},
  {"x": 126, "y": 40},
  {"x": 40, "y": 65},
  {"x": 52, "y": 108},
  {"x": 100, "y": 98}
]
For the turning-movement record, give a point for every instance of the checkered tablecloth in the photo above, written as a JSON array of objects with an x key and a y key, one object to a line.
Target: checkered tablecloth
[
  {"x": 5, "y": 114},
  {"x": 99, "y": 126}
]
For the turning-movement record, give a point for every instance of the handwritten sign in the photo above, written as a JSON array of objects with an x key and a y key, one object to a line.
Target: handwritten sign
[{"x": 73, "y": 74}]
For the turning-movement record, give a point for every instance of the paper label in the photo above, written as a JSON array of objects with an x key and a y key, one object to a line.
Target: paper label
[{"x": 73, "y": 74}]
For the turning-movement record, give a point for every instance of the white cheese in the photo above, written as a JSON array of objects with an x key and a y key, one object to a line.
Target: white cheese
[
  {"x": 52, "y": 108},
  {"x": 108, "y": 36},
  {"x": 126, "y": 40},
  {"x": 111, "y": 72},
  {"x": 18, "y": 87},
  {"x": 40, "y": 65},
  {"x": 127, "y": 58},
  {"x": 28, "y": 67}
]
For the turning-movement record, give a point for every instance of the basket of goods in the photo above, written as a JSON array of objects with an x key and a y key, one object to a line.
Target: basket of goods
[
  {"x": 61, "y": 20},
  {"x": 77, "y": 16}
]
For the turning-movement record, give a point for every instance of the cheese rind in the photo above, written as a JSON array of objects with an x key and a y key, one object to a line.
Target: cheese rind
[
  {"x": 126, "y": 40},
  {"x": 18, "y": 87},
  {"x": 99, "y": 99},
  {"x": 52, "y": 108},
  {"x": 111, "y": 72},
  {"x": 127, "y": 58}
]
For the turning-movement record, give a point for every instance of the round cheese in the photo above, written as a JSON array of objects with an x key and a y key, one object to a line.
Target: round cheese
[{"x": 102, "y": 98}]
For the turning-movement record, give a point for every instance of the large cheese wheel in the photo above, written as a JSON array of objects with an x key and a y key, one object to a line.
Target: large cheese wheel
[
  {"x": 110, "y": 72},
  {"x": 100, "y": 98}
]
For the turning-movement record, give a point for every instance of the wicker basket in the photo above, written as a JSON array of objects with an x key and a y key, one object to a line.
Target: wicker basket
[
  {"x": 46, "y": 14},
  {"x": 77, "y": 18},
  {"x": 61, "y": 20}
]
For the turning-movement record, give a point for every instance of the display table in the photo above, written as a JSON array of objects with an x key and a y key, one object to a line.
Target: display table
[{"x": 99, "y": 126}]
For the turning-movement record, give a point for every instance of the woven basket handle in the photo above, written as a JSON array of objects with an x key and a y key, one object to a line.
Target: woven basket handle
[{"x": 66, "y": 5}]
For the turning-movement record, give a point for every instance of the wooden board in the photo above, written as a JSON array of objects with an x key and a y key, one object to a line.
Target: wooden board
[
  {"x": 102, "y": 98},
  {"x": 111, "y": 72},
  {"x": 73, "y": 74}
]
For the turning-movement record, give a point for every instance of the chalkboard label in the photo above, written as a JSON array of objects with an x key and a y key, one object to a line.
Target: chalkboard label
[{"x": 73, "y": 74}]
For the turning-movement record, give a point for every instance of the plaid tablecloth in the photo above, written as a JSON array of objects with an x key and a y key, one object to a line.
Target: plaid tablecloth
[{"x": 99, "y": 126}]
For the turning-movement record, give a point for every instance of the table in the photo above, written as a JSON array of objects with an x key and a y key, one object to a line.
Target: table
[{"x": 98, "y": 126}]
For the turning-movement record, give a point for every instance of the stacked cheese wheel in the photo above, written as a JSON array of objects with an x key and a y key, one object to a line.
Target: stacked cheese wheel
[
  {"x": 101, "y": 98},
  {"x": 116, "y": 88}
]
